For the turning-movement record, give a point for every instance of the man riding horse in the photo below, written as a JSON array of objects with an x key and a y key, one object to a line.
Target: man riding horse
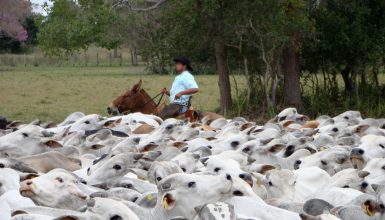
[
  {"x": 182, "y": 88},
  {"x": 137, "y": 99}
]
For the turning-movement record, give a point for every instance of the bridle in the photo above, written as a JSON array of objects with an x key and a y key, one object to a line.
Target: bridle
[{"x": 161, "y": 94}]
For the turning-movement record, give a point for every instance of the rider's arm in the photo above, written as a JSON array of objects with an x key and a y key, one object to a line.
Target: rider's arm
[{"x": 189, "y": 91}]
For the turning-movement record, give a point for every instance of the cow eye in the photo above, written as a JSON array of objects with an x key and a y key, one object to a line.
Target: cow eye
[
  {"x": 117, "y": 167},
  {"x": 128, "y": 185},
  {"x": 2, "y": 165},
  {"x": 341, "y": 160},
  {"x": 324, "y": 162},
  {"x": 335, "y": 129},
  {"x": 159, "y": 178},
  {"x": 382, "y": 146},
  {"x": 346, "y": 117},
  {"x": 87, "y": 122},
  {"x": 246, "y": 149},
  {"x": 383, "y": 167},
  {"x": 346, "y": 186},
  {"x": 24, "y": 134},
  {"x": 282, "y": 118},
  {"x": 191, "y": 184},
  {"x": 168, "y": 127},
  {"x": 183, "y": 169},
  {"x": 59, "y": 179},
  {"x": 217, "y": 169},
  {"x": 270, "y": 183}
]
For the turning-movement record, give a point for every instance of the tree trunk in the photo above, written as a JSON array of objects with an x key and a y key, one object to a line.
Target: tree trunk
[
  {"x": 115, "y": 52},
  {"x": 291, "y": 71},
  {"x": 224, "y": 80},
  {"x": 346, "y": 76},
  {"x": 375, "y": 71},
  {"x": 134, "y": 56}
]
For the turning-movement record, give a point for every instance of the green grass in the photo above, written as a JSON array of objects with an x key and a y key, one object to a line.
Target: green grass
[{"x": 51, "y": 93}]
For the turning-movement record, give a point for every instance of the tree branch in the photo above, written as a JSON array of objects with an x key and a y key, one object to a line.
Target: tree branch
[{"x": 126, "y": 3}]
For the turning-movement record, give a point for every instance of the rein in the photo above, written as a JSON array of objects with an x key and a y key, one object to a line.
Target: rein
[{"x": 161, "y": 94}]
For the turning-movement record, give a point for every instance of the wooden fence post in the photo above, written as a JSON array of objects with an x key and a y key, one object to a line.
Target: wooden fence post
[
  {"x": 121, "y": 59},
  {"x": 97, "y": 59},
  {"x": 85, "y": 59},
  {"x": 13, "y": 63},
  {"x": 110, "y": 58}
]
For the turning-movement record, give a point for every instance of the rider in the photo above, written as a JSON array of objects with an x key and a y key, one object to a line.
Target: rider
[{"x": 182, "y": 88}]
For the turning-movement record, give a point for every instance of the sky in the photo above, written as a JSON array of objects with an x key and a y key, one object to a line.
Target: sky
[{"x": 38, "y": 8}]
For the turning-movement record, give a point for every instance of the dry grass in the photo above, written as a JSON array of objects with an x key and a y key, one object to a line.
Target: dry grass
[{"x": 51, "y": 93}]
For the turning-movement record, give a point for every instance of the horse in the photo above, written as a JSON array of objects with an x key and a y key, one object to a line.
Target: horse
[{"x": 137, "y": 99}]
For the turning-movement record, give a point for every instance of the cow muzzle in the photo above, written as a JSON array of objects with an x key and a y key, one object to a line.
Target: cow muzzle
[{"x": 26, "y": 188}]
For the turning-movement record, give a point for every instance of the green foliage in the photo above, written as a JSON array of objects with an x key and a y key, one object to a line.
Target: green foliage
[
  {"x": 73, "y": 25},
  {"x": 349, "y": 33}
]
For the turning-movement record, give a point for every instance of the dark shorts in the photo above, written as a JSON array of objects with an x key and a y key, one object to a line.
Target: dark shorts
[{"x": 170, "y": 111}]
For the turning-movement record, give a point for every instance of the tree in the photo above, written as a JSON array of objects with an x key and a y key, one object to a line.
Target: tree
[
  {"x": 74, "y": 25},
  {"x": 350, "y": 36},
  {"x": 12, "y": 14}
]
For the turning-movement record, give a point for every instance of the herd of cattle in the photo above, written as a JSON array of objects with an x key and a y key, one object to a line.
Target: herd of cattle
[{"x": 138, "y": 166}]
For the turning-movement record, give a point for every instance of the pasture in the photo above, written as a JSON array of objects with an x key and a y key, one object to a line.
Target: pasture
[{"x": 51, "y": 93}]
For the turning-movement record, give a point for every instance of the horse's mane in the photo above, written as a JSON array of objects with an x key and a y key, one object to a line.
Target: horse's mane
[{"x": 146, "y": 95}]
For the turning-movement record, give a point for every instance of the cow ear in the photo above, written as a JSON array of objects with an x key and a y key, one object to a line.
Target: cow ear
[
  {"x": 137, "y": 156},
  {"x": 112, "y": 123},
  {"x": 150, "y": 147},
  {"x": 266, "y": 141},
  {"x": 275, "y": 148},
  {"x": 27, "y": 176},
  {"x": 179, "y": 218},
  {"x": 22, "y": 167},
  {"x": 266, "y": 168},
  {"x": 376, "y": 187},
  {"x": 18, "y": 212},
  {"x": 179, "y": 144},
  {"x": 361, "y": 129},
  {"x": 204, "y": 160},
  {"x": 196, "y": 157},
  {"x": 145, "y": 164},
  {"x": 103, "y": 134},
  {"x": 363, "y": 174},
  {"x": 97, "y": 146},
  {"x": 142, "y": 174},
  {"x": 67, "y": 217},
  {"x": 52, "y": 144},
  {"x": 137, "y": 86},
  {"x": 152, "y": 155}
]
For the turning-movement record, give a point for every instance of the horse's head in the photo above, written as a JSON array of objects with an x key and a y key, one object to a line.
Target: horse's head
[{"x": 131, "y": 100}]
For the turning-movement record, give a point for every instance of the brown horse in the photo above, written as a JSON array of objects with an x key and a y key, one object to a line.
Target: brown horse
[{"x": 137, "y": 100}]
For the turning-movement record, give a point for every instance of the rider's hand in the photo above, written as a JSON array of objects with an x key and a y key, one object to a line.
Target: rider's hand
[
  {"x": 164, "y": 91},
  {"x": 178, "y": 95}
]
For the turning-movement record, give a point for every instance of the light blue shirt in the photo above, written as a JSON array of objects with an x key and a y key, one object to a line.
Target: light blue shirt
[{"x": 183, "y": 81}]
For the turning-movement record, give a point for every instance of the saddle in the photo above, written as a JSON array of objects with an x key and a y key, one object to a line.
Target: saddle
[{"x": 192, "y": 114}]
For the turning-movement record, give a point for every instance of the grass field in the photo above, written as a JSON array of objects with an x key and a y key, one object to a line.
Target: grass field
[{"x": 51, "y": 93}]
